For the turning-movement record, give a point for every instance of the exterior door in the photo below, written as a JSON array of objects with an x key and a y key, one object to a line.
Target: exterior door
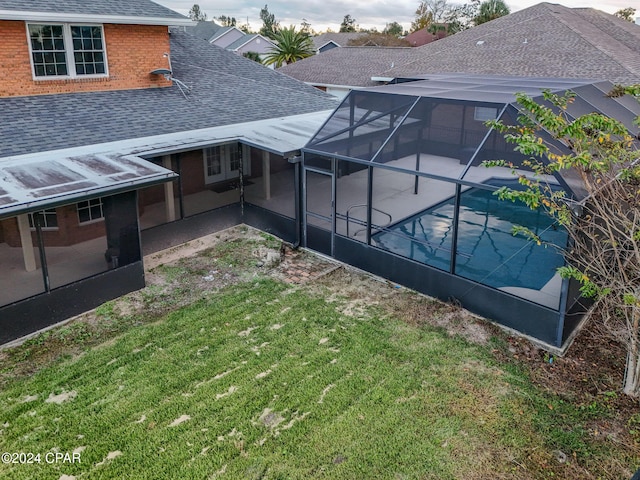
[
  {"x": 222, "y": 162},
  {"x": 319, "y": 209}
]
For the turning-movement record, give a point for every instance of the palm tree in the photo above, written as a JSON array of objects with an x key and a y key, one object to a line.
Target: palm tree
[
  {"x": 291, "y": 46},
  {"x": 490, "y": 10}
]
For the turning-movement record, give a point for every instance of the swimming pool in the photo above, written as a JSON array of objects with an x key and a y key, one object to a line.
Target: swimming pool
[{"x": 487, "y": 251}]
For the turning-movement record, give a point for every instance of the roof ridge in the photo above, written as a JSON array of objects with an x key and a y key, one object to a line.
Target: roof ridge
[
  {"x": 590, "y": 33},
  {"x": 443, "y": 42}
]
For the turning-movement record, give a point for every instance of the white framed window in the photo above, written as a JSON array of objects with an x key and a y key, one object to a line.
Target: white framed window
[
  {"x": 67, "y": 50},
  {"x": 90, "y": 210},
  {"x": 222, "y": 162},
  {"x": 48, "y": 219},
  {"x": 482, "y": 114}
]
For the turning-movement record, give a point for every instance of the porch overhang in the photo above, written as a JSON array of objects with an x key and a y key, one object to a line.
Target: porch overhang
[{"x": 35, "y": 182}]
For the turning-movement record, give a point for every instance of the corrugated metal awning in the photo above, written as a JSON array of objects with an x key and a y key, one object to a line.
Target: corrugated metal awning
[{"x": 31, "y": 184}]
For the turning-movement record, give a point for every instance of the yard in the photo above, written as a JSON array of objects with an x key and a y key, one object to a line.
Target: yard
[{"x": 243, "y": 359}]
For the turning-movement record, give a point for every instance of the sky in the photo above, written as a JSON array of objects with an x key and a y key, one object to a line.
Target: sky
[{"x": 323, "y": 14}]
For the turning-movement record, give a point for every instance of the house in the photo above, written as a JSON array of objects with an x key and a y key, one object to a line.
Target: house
[
  {"x": 342, "y": 69},
  {"x": 118, "y": 125},
  {"x": 232, "y": 38},
  {"x": 545, "y": 40},
  {"x": 330, "y": 40}
]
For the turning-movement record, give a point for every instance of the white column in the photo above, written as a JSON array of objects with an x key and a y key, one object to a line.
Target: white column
[
  {"x": 266, "y": 175},
  {"x": 27, "y": 245},
  {"x": 169, "y": 201}
]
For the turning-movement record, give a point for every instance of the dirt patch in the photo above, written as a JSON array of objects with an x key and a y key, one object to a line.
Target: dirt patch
[{"x": 61, "y": 397}]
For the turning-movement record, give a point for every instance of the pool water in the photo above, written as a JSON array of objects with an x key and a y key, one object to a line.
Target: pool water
[{"x": 488, "y": 252}]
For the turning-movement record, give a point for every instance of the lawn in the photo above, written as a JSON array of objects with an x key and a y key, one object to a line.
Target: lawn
[{"x": 223, "y": 369}]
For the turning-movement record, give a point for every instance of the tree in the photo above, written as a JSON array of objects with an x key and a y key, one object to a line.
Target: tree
[
  {"x": 226, "y": 21},
  {"x": 393, "y": 28},
  {"x": 196, "y": 14},
  {"x": 269, "y": 24},
  {"x": 348, "y": 24},
  {"x": 490, "y": 10},
  {"x": 305, "y": 27},
  {"x": 451, "y": 17},
  {"x": 255, "y": 56},
  {"x": 626, "y": 13},
  {"x": 604, "y": 228},
  {"x": 291, "y": 46},
  {"x": 378, "y": 40}
]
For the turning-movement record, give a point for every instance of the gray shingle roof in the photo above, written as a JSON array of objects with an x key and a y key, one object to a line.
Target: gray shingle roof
[
  {"x": 545, "y": 40},
  {"x": 351, "y": 66},
  {"x": 341, "y": 38},
  {"x": 204, "y": 30},
  {"x": 225, "y": 89},
  {"x": 140, "y": 8}
]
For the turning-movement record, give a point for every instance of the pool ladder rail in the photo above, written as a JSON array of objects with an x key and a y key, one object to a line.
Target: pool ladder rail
[{"x": 362, "y": 222}]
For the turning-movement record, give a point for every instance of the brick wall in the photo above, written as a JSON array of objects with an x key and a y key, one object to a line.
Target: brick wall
[
  {"x": 69, "y": 230},
  {"x": 132, "y": 52}
]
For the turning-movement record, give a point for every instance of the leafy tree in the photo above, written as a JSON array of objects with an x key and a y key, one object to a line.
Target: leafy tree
[
  {"x": 269, "y": 24},
  {"x": 393, "y": 28},
  {"x": 451, "y": 17},
  {"x": 196, "y": 14},
  {"x": 604, "y": 228},
  {"x": 255, "y": 56},
  {"x": 348, "y": 24},
  {"x": 305, "y": 27},
  {"x": 490, "y": 10},
  {"x": 626, "y": 13},
  {"x": 291, "y": 46},
  {"x": 226, "y": 21},
  {"x": 378, "y": 39}
]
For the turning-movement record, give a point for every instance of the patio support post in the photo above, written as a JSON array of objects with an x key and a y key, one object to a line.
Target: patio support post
[
  {"x": 26, "y": 242},
  {"x": 43, "y": 258},
  {"x": 415, "y": 186},
  {"x": 454, "y": 239},
  {"x": 266, "y": 174},
  {"x": 369, "y": 202},
  {"x": 169, "y": 200},
  {"x": 180, "y": 190}
]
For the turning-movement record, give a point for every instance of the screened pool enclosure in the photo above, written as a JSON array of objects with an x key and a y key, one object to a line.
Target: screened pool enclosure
[{"x": 394, "y": 183}]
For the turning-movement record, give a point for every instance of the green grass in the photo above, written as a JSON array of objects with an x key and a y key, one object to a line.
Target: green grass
[{"x": 278, "y": 383}]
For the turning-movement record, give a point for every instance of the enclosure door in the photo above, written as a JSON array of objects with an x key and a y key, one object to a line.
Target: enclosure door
[{"x": 319, "y": 208}]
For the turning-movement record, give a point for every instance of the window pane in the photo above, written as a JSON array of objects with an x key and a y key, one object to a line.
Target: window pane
[
  {"x": 87, "y": 45},
  {"x": 47, "y": 46}
]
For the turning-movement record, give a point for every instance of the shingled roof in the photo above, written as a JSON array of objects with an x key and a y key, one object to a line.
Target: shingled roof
[
  {"x": 225, "y": 89},
  {"x": 545, "y": 40},
  {"x": 350, "y": 66},
  {"x": 110, "y": 8}
]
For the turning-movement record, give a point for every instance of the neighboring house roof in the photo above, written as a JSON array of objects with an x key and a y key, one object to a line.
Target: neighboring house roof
[
  {"x": 107, "y": 11},
  {"x": 241, "y": 42},
  {"x": 211, "y": 32},
  {"x": 204, "y": 30},
  {"x": 347, "y": 66},
  {"x": 226, "y": 89},
  {"x": 545, "y": 40},
  {"x": 341, "y": 39},
  {"x": 424, "y": 36}
]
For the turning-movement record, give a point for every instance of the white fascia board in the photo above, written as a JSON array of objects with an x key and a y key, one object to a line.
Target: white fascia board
[
  {"x": 382, "y": 79},
  {"x": 84, "y": 18}
]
